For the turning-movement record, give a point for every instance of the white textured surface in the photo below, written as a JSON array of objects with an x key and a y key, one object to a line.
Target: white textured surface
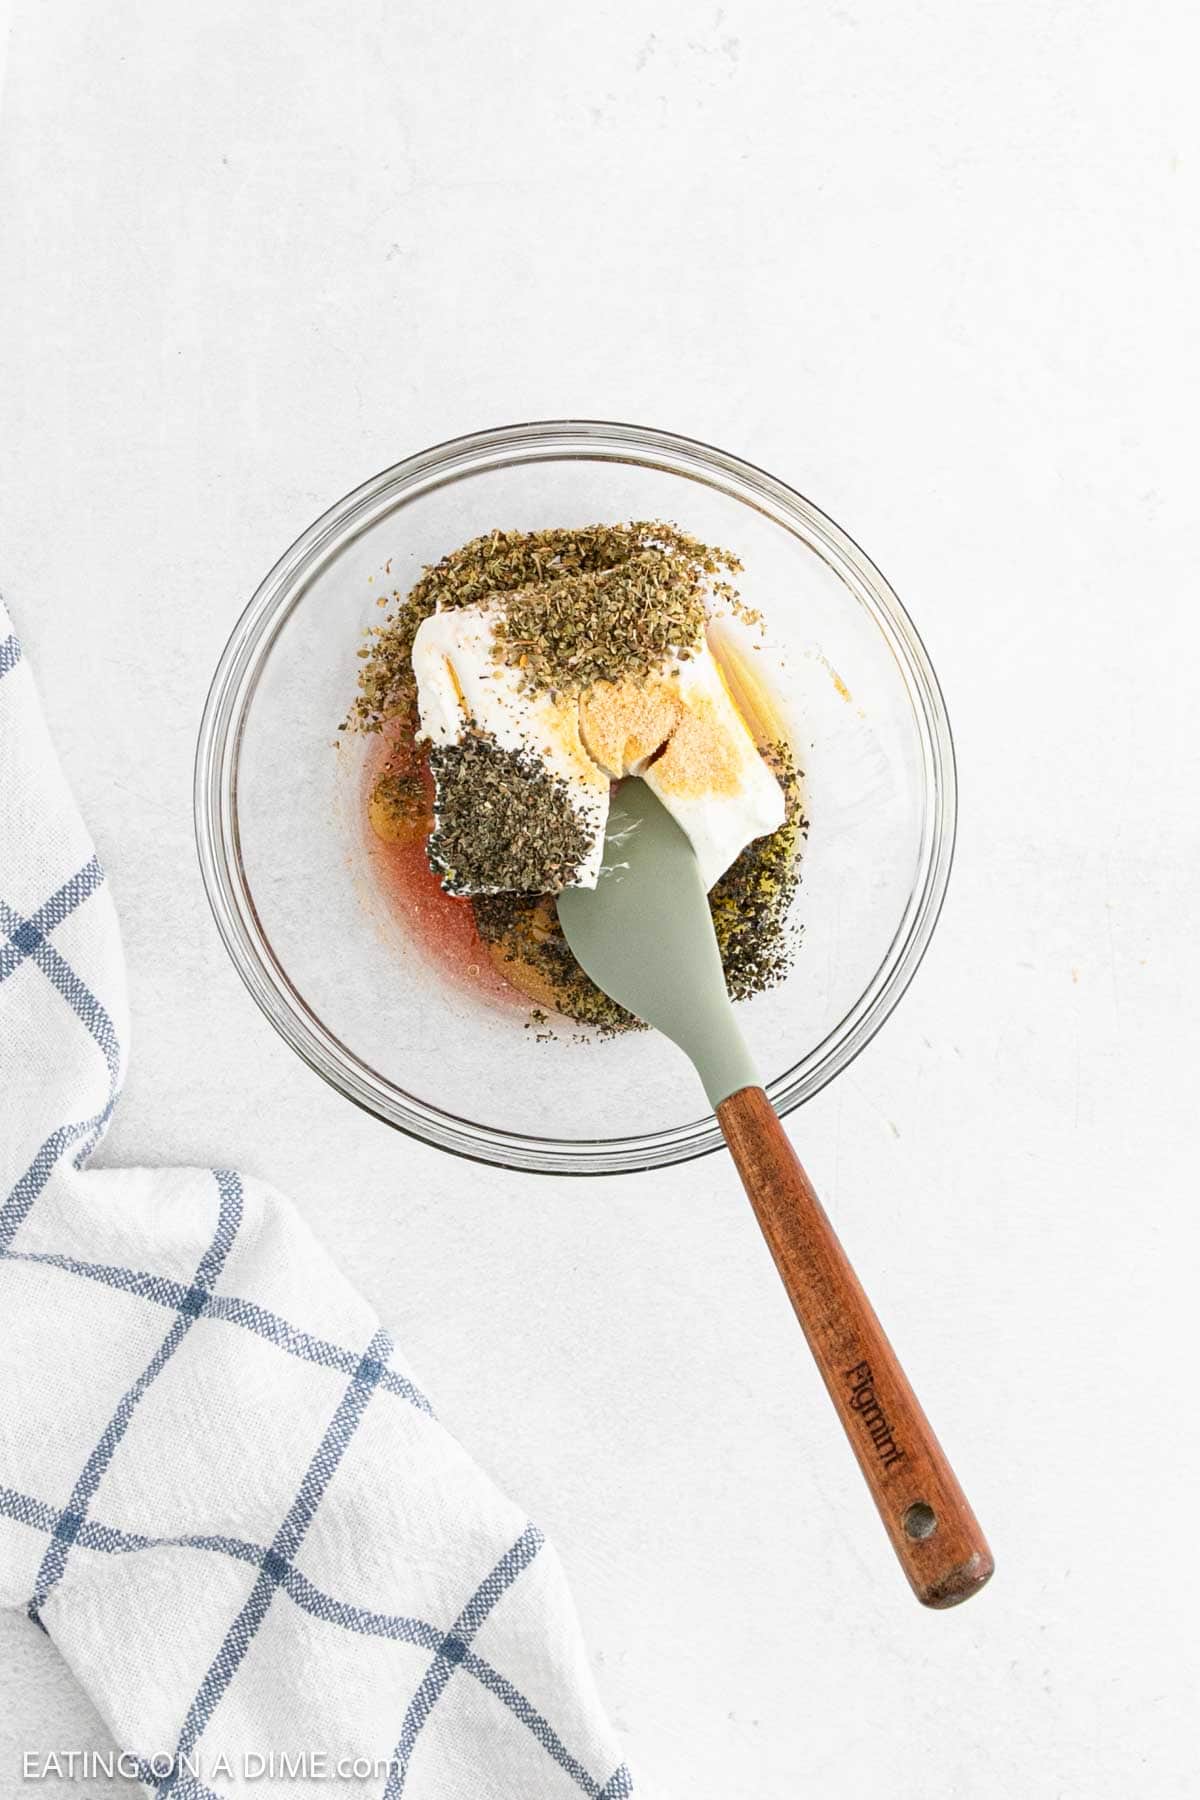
[{"x": 937, "y": 266}]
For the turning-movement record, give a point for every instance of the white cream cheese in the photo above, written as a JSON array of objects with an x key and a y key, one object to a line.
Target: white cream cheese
[
  {"x": 678, "y": 728},
  {"x": 739, "y": 799},
  {"x": 459, "y": 679}
]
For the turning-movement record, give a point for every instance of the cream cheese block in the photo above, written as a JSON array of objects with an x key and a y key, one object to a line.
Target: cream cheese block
[
  {"x": 460, "y": 681},
  {"x": 678, "y": 728},
  {"x": 681, "y": 732}
]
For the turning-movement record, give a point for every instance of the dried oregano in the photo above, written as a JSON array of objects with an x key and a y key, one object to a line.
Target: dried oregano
[
  {"x": 751, "y": 903},
  {"x": 641, "y": 585},
  {"x": 526, "y": 928},
  {"x": 602, "y": 625}
]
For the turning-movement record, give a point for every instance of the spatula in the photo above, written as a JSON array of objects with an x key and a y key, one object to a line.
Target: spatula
[{"x": 645, "y": 936}]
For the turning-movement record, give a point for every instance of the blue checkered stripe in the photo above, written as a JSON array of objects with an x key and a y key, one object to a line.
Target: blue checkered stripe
[
  {"x": 29, "y": 939},
  {"x": 369, "y": 1380}
]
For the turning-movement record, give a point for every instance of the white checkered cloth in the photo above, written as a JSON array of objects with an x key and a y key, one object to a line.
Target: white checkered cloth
[{"x": 220, "y": 1492}]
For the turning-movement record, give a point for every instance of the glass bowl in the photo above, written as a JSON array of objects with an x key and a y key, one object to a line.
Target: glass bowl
[{"x": 294, "y": 875}]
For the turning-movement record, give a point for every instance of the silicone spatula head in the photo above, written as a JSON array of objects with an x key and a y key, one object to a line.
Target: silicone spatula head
[{"x": 645, "y": 935}]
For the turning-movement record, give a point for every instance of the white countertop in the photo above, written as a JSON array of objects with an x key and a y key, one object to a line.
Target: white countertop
[{"x": 931, "y": 264}]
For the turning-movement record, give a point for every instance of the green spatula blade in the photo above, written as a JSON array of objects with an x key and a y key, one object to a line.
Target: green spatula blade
[{"x": 645, "y": 935}]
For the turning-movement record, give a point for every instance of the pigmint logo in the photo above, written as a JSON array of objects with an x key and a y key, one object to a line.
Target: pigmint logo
[{"x": 864, "y": 1403}]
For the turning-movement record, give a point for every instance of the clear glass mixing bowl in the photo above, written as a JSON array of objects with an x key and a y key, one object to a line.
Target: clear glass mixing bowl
[{"x": 292, "y": 873}]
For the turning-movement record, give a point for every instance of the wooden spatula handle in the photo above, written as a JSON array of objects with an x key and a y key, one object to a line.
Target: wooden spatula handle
[{"x": 933, "y": 1530}]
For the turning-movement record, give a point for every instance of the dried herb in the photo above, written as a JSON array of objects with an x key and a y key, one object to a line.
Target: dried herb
[
  {"x": 525, "y": 928},
  {"x": 502, "y": 820},
  {"x": 603, "y": 625},
  {"x": 751, "y": 903},
  {"x": 399, "y": 806},
  {"x": 669, "y": 575},
  {"x": 751, "y": 907}
]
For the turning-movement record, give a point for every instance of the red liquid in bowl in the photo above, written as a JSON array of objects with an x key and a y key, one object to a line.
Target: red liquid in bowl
[{"x": 440, "y": 924}]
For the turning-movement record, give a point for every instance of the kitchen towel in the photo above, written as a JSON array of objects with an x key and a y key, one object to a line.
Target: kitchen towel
[{"x": 221, "y": 1492}]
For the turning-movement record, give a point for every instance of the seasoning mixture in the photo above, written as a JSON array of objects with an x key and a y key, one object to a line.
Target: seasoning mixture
[
  {"x": 524, "y": 673},
  {"x": 641, "y": 609}
]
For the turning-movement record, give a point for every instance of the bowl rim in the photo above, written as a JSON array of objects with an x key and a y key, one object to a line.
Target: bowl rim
[{"x": 244, "y": 657}]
